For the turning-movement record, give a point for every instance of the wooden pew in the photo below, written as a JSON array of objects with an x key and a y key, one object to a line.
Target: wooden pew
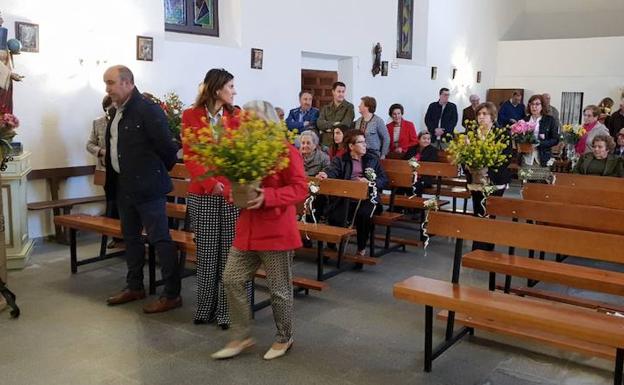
[
  {"x": 54, "y": 178},
  {"x": 323, "y": 233},
  {"x": 574, "y": 195},
  {"x": 579, "y": 243},
  {"x": 589, "y": 181}
]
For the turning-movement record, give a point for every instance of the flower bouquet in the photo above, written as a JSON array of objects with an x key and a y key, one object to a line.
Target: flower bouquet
[
  {"x": 570, "y": 135},
  {"x": 478, "y": 154},
  {"x": 172, "y": 106},
  {"x": 523, "y": 133},
  {"x": 244, "y": 148},
  {"x": 8, "y": 124}
]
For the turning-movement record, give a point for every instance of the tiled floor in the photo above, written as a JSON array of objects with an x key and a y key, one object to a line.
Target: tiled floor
[{"x": 354, "y": 333}]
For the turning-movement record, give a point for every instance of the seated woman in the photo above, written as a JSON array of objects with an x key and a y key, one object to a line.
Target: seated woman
[
  {"x": 402, "y": 132},
  {"x": 337, "y": 147},
  {"x": 314, "y": 160},
  {"x": 619, "y": 148},
  {"x": 422, "y": 152},
  {"x": 600, "y": 161},
  {"x": 352, "y": 166}
]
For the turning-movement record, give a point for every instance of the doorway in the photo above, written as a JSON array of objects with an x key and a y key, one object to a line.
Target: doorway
[{"x": 320, "y": 83}]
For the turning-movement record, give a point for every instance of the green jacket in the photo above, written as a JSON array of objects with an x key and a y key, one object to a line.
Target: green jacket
[
  {"x": 332, "y": 116},
  {"x": 613, "y": 167}
]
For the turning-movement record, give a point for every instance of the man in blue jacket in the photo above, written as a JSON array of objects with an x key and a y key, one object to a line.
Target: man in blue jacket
[
  {"x": 512, "y": 110},
  {"x": 304, "y": 117},
  {"x": 139, "y": 153},
  {"x": 441, "y": 119}
]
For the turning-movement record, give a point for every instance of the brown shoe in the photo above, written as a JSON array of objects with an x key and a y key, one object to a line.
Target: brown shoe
[
  {"x": 125, "y": 296},
  {"x": 162, "y": 304}
]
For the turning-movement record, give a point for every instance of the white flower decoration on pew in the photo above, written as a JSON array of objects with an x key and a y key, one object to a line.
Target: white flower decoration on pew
[
  {"x": 429, "y": 204},
  {"x": 371, "y": 176},
  {"x": 308, "y": 205},
  {"x": 415, "y": 165}
]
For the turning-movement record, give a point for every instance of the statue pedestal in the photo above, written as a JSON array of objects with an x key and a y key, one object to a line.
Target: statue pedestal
[{"x": 14, "y": 189}]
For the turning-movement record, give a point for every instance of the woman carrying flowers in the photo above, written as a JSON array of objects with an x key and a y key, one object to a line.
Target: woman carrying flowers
[
  {"x": 353, "y": 165},
  {"x": 545, "y": 131},
  {"x": 266, "y": 232},
  {"x": 212, "y": 216}
]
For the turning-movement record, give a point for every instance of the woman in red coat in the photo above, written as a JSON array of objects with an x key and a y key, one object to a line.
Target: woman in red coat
[
  {"x": 402, "y": 132},
  {"x": 266, "y": 234},
  {"x": 212, "y": 216}
]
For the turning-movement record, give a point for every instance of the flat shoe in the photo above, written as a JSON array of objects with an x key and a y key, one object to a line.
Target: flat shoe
[
  {"x": 272, "y": 354},
  {"x": 233, "y": 351}
]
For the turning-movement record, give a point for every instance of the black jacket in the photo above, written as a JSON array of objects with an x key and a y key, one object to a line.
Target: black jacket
[
  {"x": 548, "y": 128},
  {"x": 448, "y": 121},
  {"x": 145, "y": 151},
  {"x": 501, "y": 175}
]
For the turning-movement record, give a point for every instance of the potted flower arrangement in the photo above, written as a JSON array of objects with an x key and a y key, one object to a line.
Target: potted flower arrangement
[
  {"x": 570, "y": 135},
  {"x": 523, "y": 134},
  {"x": 244, "y": 148},
  {"x": 478, "y": 154},
  {"x": 8, "y": 124},
  {"x": 172, "y": 106}
]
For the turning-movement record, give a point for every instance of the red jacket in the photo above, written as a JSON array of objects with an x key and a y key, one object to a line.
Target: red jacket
[
  {"x": 274, "y": 225},
  {"x": 407, "y": 136},
  {"x": 196, "y": 118}
]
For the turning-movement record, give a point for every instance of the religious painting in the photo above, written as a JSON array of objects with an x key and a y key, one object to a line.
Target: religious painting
[
  {"x": 28, "y": 35},
  {"x": 478, "y": 76},
  {"x": 192, "y": 16},
  {"x": 257, "y": 56},
  {"x": 434, "y": 73},
  {"x": 145, "y": 48},
  {"x": 405, "y": 18}
]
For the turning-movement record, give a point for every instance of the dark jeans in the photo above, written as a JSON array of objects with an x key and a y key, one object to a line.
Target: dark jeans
[
  {"x": 152, "y": 216},
  {"x": 477, "y": 197}
]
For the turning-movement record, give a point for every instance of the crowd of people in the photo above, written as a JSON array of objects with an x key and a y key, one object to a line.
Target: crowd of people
[{"x": 133, "y": 144}]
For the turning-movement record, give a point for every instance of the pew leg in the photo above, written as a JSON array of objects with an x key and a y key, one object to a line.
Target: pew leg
[
  {"x": 465, "y": 208},
  {"x": 507, "y": 284},
  {"x": 103, "y": 244},
  {"x": 619, "y": 366},
  {"x": 319, "y": 261},
  {"x": 492, "y": 281},
  {"x": 428, "y": 338},
  {"x": 73, "y": 254},
  {"x": 371, "y": 240},
  {"x": 454, "y": 204}
]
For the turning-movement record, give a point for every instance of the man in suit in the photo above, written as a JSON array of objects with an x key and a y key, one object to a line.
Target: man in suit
[
  {"x": 338, "y": 112},
  {"x": 469, "y": 113},
  {"x": 441, "y": 118},
  {"x": 139, "y": 153}
]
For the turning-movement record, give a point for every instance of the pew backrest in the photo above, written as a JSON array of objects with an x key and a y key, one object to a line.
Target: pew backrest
[
  {"x": 574, "y": 195},
  {"x": 400, "y": 173},
  {"x": 589, "y": 181}
]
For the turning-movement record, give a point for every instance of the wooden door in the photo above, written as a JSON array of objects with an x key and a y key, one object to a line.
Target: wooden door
[
  {"x": 499, "y": 95},
  {"x": 320, "y": 83}
]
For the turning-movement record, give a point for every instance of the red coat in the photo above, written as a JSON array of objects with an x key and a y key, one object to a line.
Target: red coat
[
  {"x": 196, "y": 118},
  {"x": 407, "y": 136},
  {"x": 274, "y": 225}
]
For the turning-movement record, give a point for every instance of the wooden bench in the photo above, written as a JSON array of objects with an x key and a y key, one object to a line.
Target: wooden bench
[
  {"x": 54, "y": 178},
  {"x": 574, "y": 242},
  {"x": 574, "y": 195},
  {"x": 589, "y": 181},
  {"x": 565, "y": 321}
]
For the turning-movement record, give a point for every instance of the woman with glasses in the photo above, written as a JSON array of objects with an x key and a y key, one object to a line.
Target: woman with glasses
[
  {"x": 546, "y": 133},
  {"x": 352, "y": 166},
  {"x": 592, "y": 128}
]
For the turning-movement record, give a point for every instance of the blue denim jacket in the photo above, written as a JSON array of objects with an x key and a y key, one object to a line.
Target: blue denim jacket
[{"x": 295, "y": 121}]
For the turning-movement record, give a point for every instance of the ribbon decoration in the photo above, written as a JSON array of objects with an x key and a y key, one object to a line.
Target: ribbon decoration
[
  {"x": 413, "y": 162},
  {"x": 308, "y": 204},
  {"x": 371, "y": 176},
  {"x": 430, "y": 204}
]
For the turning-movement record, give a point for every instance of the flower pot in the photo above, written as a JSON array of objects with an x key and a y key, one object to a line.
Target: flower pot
[
  {"x": 525, "y": 148},
  {"x": 479, "y": 178},
  {"x": 244, "y": 192}
]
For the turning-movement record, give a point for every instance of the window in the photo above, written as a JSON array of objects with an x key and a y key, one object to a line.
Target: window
[
  {"x": 571, "y": 107},
  {"x": 192, "y": 16}
]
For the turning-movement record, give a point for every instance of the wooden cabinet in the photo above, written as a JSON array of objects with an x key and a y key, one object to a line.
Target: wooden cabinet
[{"x": 500, "y": 95}]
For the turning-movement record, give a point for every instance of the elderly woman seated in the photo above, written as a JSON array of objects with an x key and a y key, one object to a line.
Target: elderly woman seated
[
  {"x": 314, "y": 159},
  {"x": 352, "y": 166},
  {"x": 600, "y": 161}
]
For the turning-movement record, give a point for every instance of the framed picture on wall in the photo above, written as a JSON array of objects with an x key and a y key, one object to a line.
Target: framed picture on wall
[
  {"x": 405, "y": 19},
  {"x": 28, "y": 35},
  {"x": 192, "y": 16},
  {"x": 257, "y": 57},
  {"x": 145, "y": 48}
]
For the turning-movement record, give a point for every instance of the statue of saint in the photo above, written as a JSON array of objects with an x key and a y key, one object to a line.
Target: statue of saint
[{"x": 7, "y": 76}]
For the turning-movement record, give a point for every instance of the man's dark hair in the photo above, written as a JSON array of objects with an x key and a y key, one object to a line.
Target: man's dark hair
[
  {"x": 305, "y": 92},
  {"x": 338, "y": 84},
  {"x": 444, "y": 89}
]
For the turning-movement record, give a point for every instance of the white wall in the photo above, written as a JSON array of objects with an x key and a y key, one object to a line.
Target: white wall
[
  {"x": 59, "y": 98},
  {"x": 592, "y": 66}
]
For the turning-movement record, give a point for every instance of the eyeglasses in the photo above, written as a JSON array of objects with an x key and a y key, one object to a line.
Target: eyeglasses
[
  {"x": 360, "y": 142},
  {"x": 536, "y": 104}
]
